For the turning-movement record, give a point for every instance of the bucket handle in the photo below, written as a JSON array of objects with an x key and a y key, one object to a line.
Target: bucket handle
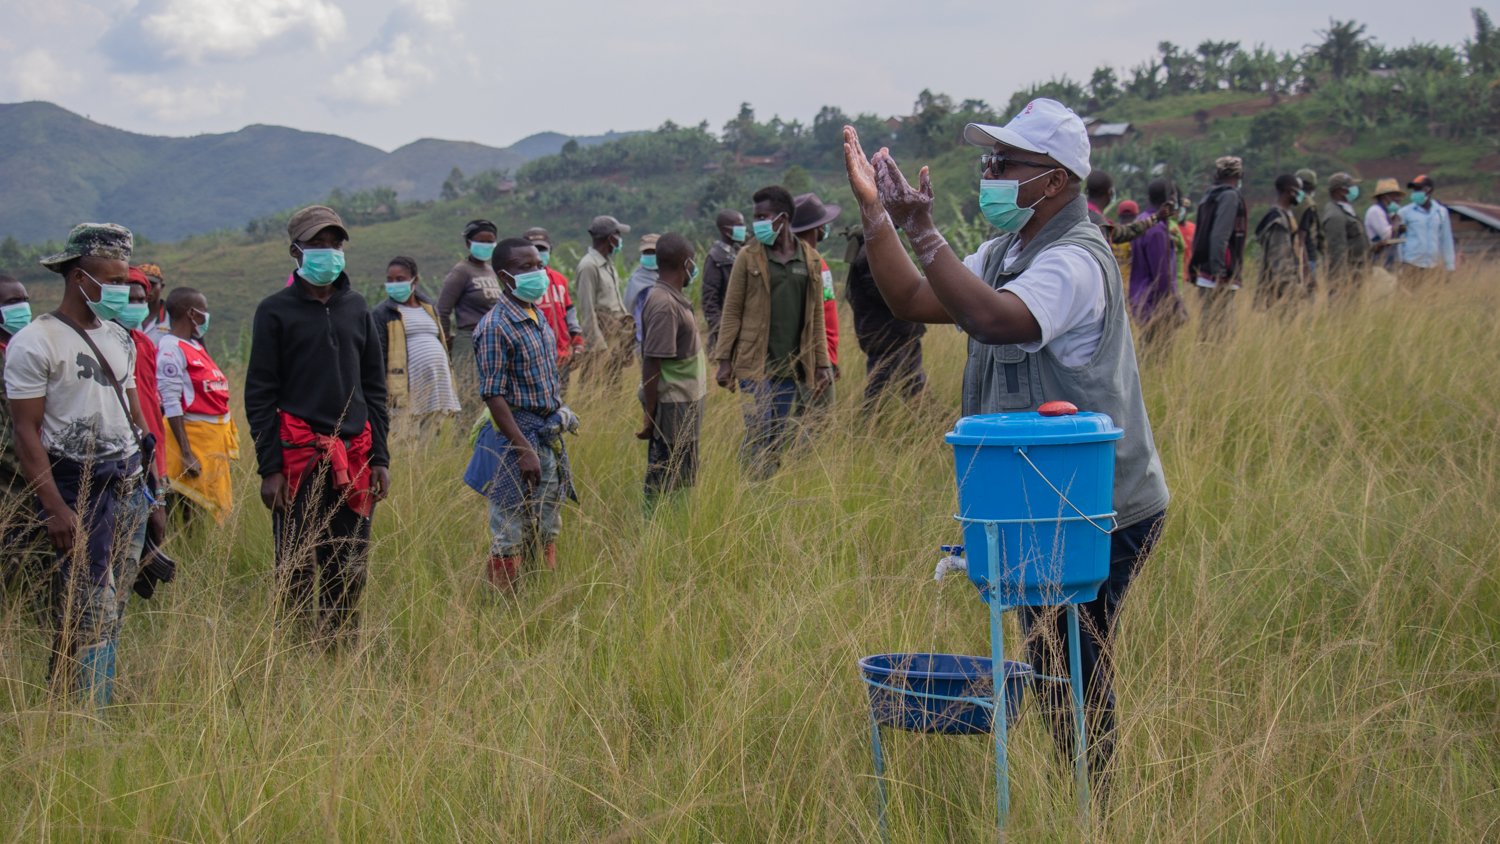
[{"x": 1021, "y": 450}]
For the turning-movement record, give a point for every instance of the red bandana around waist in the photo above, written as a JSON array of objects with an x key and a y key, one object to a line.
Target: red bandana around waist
[{"x": 302, "y": 450}]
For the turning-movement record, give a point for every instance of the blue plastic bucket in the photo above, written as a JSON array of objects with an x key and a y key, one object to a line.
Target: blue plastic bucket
[
  {"x": 1046, "y": 480},
  {"x": 911, "y": 679}
]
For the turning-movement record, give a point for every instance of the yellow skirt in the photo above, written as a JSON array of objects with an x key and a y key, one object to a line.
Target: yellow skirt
[{"x": 216, "y": 445}]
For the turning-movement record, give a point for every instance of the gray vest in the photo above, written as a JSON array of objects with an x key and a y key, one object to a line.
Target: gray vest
[{"x": 1006, "y": 379}]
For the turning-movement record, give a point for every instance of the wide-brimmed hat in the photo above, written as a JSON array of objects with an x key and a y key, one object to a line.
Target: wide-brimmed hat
[
  {"x": 648, "y": 241},
  {"x": 1385, "y": 186},
  {"x": 809, "y": 212},
  {"x": 93, "y": 240}
]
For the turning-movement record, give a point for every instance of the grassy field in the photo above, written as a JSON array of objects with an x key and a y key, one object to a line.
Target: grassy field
[{"x": 1310, "y": 655}]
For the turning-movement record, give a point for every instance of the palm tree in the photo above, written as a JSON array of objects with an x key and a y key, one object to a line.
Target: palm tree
[{"x": 1344, "y": 42}]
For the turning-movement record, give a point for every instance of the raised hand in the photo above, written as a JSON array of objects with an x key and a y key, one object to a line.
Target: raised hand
[
  {"x": 910, "y": 208},
  {"x": 861, "y": 175}
]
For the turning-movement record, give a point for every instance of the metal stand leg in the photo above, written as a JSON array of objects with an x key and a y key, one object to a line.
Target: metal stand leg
[
  {"x": 880, "y": 798},
  {"x": 997, "y": 674},
  {"x": 1080, "y": 731}
]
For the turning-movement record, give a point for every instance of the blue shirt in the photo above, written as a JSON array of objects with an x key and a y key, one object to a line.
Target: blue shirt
[
  {"x": 1429, "y": 236},
  {"x": 517, "y": 358}
]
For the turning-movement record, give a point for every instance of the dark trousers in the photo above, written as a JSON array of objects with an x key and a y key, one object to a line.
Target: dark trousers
[
  {"x": 672, "y": 451},
  {"x": 1046, "y": 632},
  {"x": 898, "y": 367},
  {"x": 322, "y": 557}
]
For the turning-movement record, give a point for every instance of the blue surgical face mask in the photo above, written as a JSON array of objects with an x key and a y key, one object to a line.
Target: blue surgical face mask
[
  {"x": 648, "y": 261},
  {"x": 1418, "y": 197},
  {"x": 765, "y": 231},
  {"x": 998, "y": 202},
  {"x": 546, "y": 256},
  {"x": 1353, "y": 192},
  {"x": 133, "y": 314},
  {"x": 530, "y": 286},
  {"x": 1393, "y": 208},
  {"x": 321, "y": 267},
  {"x": 398, "y": 291},
  {"x": 202, "y": 326},
  {"x": 1301, "y": 195},
  {"x": 827, "y": 230},
  {"x": 112, "y": 298},
  {"x": 481, "y": 251},
  {"x": 737, "y": 234},
  {"x": 15, "y": 317}
]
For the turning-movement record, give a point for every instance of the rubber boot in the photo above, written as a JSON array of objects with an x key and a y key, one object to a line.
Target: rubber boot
[
  {"x": 96, "y": 674},
  {"x": 549, "y": 556},
  {"x": 504, "y": 571}
]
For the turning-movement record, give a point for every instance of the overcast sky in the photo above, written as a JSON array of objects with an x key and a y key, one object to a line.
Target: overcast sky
[{"x": 388, "y": 72}]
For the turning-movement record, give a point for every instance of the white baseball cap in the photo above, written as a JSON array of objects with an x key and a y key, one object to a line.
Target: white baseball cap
[{"x": 1044, "y": 126}]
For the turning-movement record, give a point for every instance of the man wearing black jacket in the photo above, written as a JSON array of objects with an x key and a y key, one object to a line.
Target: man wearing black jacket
[
  {"x": 892, "y": 346},
  {"x": 1219, "y": 243},
  {"x": 315, "y": 399}
]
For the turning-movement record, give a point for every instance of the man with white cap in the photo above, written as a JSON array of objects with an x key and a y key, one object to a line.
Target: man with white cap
[{"x": 1043, "y": 307}]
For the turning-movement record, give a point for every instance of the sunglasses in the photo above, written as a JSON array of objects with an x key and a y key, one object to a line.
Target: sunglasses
[{"x": 994, "y": 164}]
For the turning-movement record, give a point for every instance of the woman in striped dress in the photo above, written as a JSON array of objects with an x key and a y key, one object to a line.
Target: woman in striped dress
[{"x": 419, "y": 381}]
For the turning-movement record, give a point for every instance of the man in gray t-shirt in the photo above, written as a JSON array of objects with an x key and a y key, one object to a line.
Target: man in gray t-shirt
[{"x": 70, "y": 379}]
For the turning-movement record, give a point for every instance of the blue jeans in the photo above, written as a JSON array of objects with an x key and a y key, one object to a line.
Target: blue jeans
[
  {"x": 89, "y": 606},
  {"x": 512, "y": 529},
  {"x": 1046, "y": 632},
  {"x": 771, "y": 408}
]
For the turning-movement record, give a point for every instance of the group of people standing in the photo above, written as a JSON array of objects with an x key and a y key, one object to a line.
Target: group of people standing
[
  {"x": 1304, "y": 243},
  {"x": 113, "y": 407}
]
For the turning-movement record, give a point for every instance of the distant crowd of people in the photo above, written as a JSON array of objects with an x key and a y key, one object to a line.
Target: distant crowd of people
[
  {"x": 118, "y": 425},
  {"x": 1305, "y": 244}
]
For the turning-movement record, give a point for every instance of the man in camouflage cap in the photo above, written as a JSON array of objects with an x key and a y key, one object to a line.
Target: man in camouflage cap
[{"x": 70, "y": 378}]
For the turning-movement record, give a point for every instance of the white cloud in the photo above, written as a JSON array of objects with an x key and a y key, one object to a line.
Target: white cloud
[
  {"x": 200, "y": 30},
  {"x": 381, "y": 78},
  {"x": 36, "y": 75},
  {"x": 433, "y": 12},
  {"x": 175, "y": 103}
]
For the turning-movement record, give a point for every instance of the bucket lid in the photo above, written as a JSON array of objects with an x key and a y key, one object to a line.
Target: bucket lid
[{"x": 1049, "y": 426}]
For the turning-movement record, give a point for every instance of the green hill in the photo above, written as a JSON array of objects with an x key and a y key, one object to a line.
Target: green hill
[
  {"x": 1345, "y": 104},
  {"x": 58, "y": 168}
]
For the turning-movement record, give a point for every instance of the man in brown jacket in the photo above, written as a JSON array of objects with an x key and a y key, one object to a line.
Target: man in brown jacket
[{"x": 771, "y": 334}]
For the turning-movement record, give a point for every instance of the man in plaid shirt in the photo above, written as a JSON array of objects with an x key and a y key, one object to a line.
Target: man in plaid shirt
[{"x": 519, "y": 462}]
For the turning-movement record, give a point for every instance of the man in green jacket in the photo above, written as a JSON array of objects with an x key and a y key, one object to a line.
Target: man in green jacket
[
  {"x": 772, "y": 341},
  {"x": 1348, "y": 250},
  {"x": 1283, "y": 256}
]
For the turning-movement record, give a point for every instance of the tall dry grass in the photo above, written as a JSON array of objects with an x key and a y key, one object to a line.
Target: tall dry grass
[{"x": 1309, "y": 656}]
